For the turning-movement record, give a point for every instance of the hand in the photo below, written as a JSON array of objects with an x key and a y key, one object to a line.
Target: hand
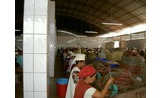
[{"x": 110, "y": 81}]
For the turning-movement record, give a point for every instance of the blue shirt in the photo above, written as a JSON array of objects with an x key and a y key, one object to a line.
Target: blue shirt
[{"x": 20, "y": 60}]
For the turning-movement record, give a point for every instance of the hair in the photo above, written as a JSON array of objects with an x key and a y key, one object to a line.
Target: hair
[
  {"x": 93, "y": 74},
  {"x": 79, "y": 61}
]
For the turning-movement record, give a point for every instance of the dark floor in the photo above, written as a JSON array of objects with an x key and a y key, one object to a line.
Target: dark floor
[{"x": 59, "y": 73}]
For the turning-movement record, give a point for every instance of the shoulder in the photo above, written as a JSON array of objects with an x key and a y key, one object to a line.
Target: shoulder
[
  {"x": 75, "y": 69},
  {"x": 89, "y": 92}
]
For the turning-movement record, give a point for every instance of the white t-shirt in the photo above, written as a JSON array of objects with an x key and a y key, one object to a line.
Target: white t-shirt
[
  {"x": 89, "y": 92},
  {"x": 73, "y": 80}
]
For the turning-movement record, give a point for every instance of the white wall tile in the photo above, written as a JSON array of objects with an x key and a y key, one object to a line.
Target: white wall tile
[
  {"x": 28, "y": 81},
  {"x": 40, "y": 94},
  {"x": 40, "y": 44},
  {"x": 28, "y": 7},
  {"x": 28, "y": 62},
  {"x": 41, "y": 7},
  {"x": 28, "y": 95},
  {"x": 40, "y": 82},
  {"x": 40, "y": 25},
  {"x": 28, "y": 44},
  {"x": 28, "y": 24},
  {"x": 40, "y": 63}
]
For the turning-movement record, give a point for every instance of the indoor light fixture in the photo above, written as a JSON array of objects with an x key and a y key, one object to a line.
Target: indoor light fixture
[
  {"x": 112, "y": 23},
  {"x": 62, "y": 31},
  {"x": 17, "y": 30},
  {"x": 91, "y": 32}
]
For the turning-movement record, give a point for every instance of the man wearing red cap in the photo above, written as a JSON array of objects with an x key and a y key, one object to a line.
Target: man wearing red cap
[{"x": 85, "y": 90}]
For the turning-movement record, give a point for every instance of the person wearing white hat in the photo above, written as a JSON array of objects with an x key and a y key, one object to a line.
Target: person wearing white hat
[
  {"x": 74, "y": 78},
  {"x": 68, "y": 57},
  {"x": 71, "y": 62}
]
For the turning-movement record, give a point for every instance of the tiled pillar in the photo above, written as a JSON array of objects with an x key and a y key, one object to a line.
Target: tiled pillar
[
  {"x": 52, "y": 39},
  {"x": 51, "y": 43},
  {"x": 35, "y": 49}
]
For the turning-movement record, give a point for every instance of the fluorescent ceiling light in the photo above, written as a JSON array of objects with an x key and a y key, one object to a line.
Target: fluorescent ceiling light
[
  {"x": 91, "y": 32},
  {"x": 17, "y": 30},
  {"x": 111, "y": 23},
  {"x": 62, "y": 31},
  {"x": 19, "y": 40}
]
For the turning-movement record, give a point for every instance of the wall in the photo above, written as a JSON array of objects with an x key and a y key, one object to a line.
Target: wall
[
  {"x": 72, "y": 41},
  {"x": 91, "y": 42},
  {"x": 140, "y": 44},
  {"x": 110, "y": 45}
]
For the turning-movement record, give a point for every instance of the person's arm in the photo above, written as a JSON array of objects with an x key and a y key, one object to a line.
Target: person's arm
[{"x": 105, "y": 90}]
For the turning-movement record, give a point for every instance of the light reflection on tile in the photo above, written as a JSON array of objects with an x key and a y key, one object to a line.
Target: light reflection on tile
[
  {"x": 41, "y": 7},
  {"x": 40, "y": 44},
  {"x": 28, "y": 24},
  {"x": 40, "y": 25}
]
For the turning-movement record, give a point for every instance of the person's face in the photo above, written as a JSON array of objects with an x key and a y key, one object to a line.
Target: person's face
[
  {"x": 82, "y": 64},
  {"x": 92, "y": 78}
]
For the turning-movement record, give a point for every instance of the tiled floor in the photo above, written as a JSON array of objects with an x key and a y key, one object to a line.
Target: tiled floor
[{"x": 59, "y": 73}]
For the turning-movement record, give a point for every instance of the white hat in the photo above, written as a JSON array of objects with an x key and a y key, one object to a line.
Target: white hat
[
  {"x": 69, "y": 52},
  {"x": 73, "y": 54},
  {"x": 80, "y": 57}
]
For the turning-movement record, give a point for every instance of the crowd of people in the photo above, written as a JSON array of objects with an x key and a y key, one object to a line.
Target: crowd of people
[
  {"x": 77, "y": 63},
  {"x": 18, "y": 65}
]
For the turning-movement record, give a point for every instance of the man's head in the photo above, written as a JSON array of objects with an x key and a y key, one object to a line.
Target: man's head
[
  {"x": 88, "y": 72},
  {"x": 73, "y": 55},
  {"x": 80, "y": 60}
]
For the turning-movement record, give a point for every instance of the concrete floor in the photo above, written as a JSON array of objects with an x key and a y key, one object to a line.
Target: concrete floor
[{"x": 59, "y": 73}]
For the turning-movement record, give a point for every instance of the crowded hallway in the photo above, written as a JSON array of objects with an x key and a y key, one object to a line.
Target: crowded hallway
[{"x": 100, "y": 59}]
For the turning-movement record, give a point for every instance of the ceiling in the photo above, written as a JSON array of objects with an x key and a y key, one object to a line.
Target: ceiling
[{"x": 78, "y": 16}]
